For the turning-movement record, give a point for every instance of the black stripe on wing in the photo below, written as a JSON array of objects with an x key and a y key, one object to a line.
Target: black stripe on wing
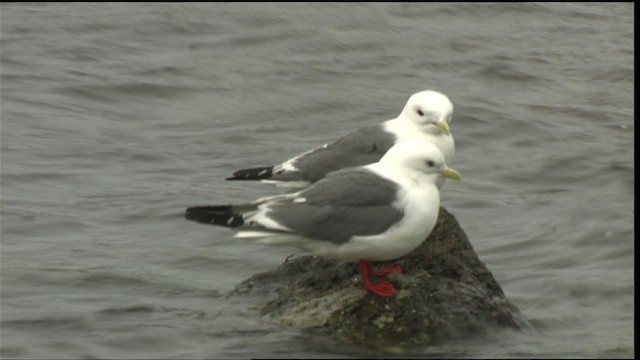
[
  {"x": 258, "y": 173},
  {"x": 222, "y": 215}
]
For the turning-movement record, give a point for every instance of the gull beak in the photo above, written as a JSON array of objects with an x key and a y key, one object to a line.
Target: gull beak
[
  {"x": 451, "y": 174},
  {"x": 443, "y": 126}
]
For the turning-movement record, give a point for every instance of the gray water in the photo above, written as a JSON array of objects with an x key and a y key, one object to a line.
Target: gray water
[{"x": 116, "y": 117}]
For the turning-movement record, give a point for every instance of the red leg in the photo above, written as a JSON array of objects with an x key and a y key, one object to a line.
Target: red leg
[
  {"x": 381, "y": 288},
  {"x": 394, "y": 268}
]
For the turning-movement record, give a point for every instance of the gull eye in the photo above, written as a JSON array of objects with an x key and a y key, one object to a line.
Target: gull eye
[
  {"x": 431, "y": 163},
  {"x": 420, "y": 112}
]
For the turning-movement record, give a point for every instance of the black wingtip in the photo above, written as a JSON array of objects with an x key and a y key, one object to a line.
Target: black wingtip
[
  {"x": 259, "y": 173},
  {"x": 222, "y": 215}
]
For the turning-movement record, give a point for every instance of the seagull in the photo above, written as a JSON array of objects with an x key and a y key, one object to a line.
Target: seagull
[
  {"x": 425, "y": 116},
  {"x": 377, "y": 212}
]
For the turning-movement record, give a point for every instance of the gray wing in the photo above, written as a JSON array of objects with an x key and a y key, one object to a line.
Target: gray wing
[
  {"x": 346, "y": 203},
  {"x": 362, "y": 147}
]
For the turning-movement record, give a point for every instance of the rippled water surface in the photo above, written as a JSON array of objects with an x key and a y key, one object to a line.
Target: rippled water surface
[{"x": 115, "y": 117}]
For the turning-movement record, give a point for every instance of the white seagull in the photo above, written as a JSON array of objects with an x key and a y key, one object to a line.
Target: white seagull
[
  {"x": 378, "y": 212},
  {"x": 426, "y": 116}
]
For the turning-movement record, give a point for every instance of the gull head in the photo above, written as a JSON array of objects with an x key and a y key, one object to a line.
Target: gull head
[
  {"x": 429, "y": 108},
  {"x": 418, "y": 158}
]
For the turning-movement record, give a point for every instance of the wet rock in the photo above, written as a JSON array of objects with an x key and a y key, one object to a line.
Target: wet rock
[{"x": 445, "y": 292}]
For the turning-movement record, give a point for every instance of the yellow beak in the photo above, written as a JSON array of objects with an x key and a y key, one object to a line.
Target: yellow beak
[
  {"x": 443, "y": 126},
  {"x": 451, "y": 174}
]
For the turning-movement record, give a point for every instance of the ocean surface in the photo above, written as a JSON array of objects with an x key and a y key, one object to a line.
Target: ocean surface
[{"x": 117, "y": 116}]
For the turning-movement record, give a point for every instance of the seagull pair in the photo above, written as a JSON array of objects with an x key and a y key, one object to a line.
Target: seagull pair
[{"x": 371, "y": 195}]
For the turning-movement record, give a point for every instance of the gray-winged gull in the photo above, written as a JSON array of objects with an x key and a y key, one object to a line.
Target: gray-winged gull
[
  {"x": 376, "y": 212},
  {"x": 425, "y": 116}
]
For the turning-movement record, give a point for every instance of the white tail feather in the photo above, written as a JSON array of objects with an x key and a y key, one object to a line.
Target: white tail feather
[
  {"x": 252, "y": 234},
  {"x": 287, "y": 184},
  {"x": 268, "y": 238}
]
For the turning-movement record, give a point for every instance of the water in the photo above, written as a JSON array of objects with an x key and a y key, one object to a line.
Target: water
[{"x": 116, "y": 117}]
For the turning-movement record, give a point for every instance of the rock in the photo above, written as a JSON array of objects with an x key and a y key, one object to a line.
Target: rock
[{"x": 445, "y": 293}]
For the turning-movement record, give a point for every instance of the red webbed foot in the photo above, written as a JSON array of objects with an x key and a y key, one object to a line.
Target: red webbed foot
[{"x": 381, "y": 288}]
